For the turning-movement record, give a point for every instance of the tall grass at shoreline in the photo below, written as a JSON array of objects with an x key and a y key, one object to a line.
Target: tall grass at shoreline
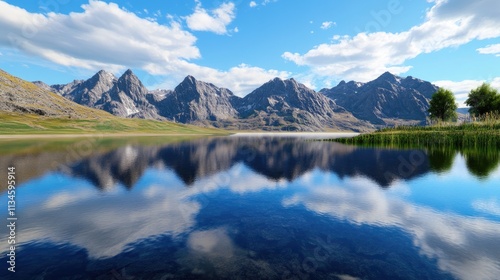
[{"x": 483, "y": 134}]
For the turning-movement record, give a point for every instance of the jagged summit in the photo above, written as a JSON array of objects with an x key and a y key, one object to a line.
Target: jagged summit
[{"x": 387, "y": 77}]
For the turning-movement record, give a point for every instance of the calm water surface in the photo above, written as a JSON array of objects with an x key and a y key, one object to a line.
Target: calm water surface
[{"x": 251, "y": 208}]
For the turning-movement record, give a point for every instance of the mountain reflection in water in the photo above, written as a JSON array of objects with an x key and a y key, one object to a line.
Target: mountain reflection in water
[
  {"x": 258, "y": 208},
  {"x": 275, "y": 158}
]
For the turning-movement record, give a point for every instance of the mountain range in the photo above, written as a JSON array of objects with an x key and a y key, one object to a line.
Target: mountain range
[{"x": 276, "y": 105}]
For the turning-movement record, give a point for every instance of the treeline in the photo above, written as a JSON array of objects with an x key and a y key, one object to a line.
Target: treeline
[{"x": 484, "y": 100}]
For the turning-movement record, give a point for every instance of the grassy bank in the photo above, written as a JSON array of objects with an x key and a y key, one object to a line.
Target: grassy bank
[
  {"x": 19, "y": 124},
  {"x": 472, "y": 135}
]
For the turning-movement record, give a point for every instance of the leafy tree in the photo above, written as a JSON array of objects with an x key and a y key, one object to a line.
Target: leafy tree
[
  {"x": 483, "y": 99},
  {"x": 442, "y": 105},
  {"x": 497, "y": 105}
]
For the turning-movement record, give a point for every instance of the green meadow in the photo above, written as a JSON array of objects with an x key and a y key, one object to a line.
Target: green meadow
[{"x": 19, "y": 124}]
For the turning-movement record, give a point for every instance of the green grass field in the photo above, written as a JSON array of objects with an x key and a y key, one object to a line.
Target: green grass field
[{"x": 18, "y": 124}]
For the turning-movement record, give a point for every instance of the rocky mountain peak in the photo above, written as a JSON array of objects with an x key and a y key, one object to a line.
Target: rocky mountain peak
[
  {"x": 128, "y": 75},
  {"x": 278, "y": 86},
  {"x": 128, "y": 72},
  {"x": 189, "y": 84},
  {"x": 130, "y": 83},
  {"x": 388, "y": 77},
  {"x": 102, "y": 77},
  {"x": 190, "y": 79}
]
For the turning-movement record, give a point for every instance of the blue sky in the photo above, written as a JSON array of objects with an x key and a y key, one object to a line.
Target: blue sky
[{"x": 242, "y": 44}]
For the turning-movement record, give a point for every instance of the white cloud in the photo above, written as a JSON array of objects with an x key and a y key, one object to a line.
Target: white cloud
[
  {"x": 82, "y": 40},
  {"x": 241, "y": 79},
  {"x": 490, "y": 49},
  {"x": 214, "y": 21},
  {"x": 253, "y": 4},
  {"x": 265, "y": 2},
  {"x": 489, "y": 206},
  {"x": 366, "y": 55},
  {"x": 327, "y": 24}
]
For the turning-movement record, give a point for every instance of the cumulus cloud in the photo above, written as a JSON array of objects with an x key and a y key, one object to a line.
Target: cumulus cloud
[
  {"x": 364, "y": 56},
  {"x": 327, "y": 24},
  {"x": 253, "y": 4},
  {"x": 213, "y": 21},
  {"x": 102, "y": 36},
  {"x": 491, "y": 49},
  {"x": 105, "y": 36}
]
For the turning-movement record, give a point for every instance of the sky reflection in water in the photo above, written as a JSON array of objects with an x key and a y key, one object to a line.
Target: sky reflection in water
[{"x": 260, "y": 208}]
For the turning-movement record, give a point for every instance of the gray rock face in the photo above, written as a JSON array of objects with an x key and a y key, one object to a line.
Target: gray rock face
[
  {"x": 90, "y": 91},
  {"x": 288, "y": 105},
  {"x": 127, "y": 98},
  {"x": 124, "y": 97},
  {"x": 387, "y": 100},
  {"x": 194, "y": 101}
]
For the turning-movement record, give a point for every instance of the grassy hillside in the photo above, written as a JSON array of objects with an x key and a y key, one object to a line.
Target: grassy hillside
[
  {"x": 28, "y": 109},
  {"x": 19, "y": 96}
]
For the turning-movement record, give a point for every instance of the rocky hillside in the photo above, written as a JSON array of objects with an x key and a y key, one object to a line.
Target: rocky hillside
[
  {"x": 387, "y": 100},
  {"x": 19, "y": 96}
]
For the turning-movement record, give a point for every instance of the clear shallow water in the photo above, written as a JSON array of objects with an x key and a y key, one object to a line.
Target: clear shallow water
[{"x": 254, "y": 208}]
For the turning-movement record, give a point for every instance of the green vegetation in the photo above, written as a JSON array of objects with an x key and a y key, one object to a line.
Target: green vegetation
[
  {"x": 442, "y": 106},
  {"x": 483, "y": 100},
  {"x": 479, "y": 143},
  {"x": 481, "y": 135},
  {"x": 14, "y": 123},
  {"x": 485, "y": 134}
]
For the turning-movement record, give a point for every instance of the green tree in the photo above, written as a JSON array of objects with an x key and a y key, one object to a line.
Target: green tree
[
  {"x": 483, "y": 99},
  {"x": 442, "y": 105}
]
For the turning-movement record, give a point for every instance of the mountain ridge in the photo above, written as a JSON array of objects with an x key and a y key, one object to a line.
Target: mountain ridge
[
  {"x": 387, "y": 100},
  {"x": 276, "y": 105}
]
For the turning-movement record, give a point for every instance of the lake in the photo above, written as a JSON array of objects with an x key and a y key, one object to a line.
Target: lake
[{"x": 247, "y": 207}]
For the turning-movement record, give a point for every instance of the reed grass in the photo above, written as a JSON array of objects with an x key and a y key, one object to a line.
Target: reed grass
[{"x": 484, "y": 134}]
